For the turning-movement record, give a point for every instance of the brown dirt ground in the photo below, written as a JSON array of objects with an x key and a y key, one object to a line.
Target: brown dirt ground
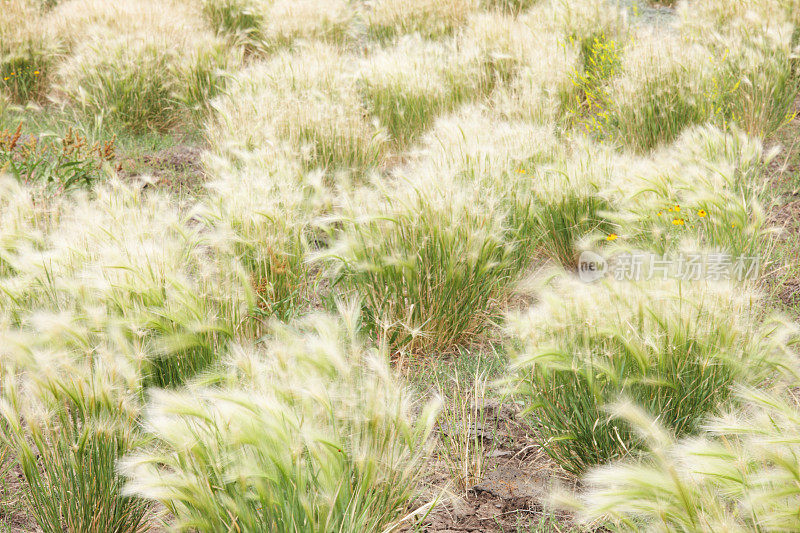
[
  {"x": 784, "y": 214},
  {"x": 512, "y": 495},
  {"x": 177, "y": 169}
]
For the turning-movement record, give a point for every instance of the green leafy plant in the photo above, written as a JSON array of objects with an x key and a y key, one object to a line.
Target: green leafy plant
[{"x": 55, "y": 164}]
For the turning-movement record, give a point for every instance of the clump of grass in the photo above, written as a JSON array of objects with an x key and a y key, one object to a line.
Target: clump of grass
[
  {"x": 429, "y": 266},
  {"x": 25, "y": 70},
  {"x": 667, "y": 85},
  {"x": 331, "y": 21},
  {"x": 655, "y": 96},
  {"x": 429, "y": 18},
  {"x": 756, "y": 70},
  {"x": 73, "y": 23},
  {"x": 238, "y": 20},
  {"x": 542, "y": 60},
  {"x": 514, "y": 7},
  {"x": 21, "y": 222},
  {"x": 69, "y": 407},
  {"x": 763, "y": 84},
  {"x": 408, "y": 86},
  {"x": 583, "y": 21},
  {"x": 269, "y": 223},
  {"x": 126, "y": 65},
  {"x": 499, "y": 163},
  {"x": 262, "y": 26},
  {"x": 101, "y": 297},
  {"x": 312, "y": 432},
  {"x": 738, "y": 475},
  {"x": 717, "y": 19},
  {"x": 179, "y": 291},
  {"x": 569, "y": 202},
  {"x": 474, "y": 146},
  {"x": 139, "y": 86},
  {"x": 674, "y": 348},
  {"x": 300, "y": 106},
  {"x": 705, "y": 188},
  {"x": 26, "y": 53}
]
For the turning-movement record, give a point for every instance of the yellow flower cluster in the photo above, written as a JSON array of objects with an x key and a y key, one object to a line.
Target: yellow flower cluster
[{"x": 18, "y": 74}]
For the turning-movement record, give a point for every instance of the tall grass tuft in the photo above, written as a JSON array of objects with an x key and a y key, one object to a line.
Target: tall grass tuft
[
  {"x": 430, "y": 18},
  {"x": 142, "y": 66},
  {"x": 675, "y": 348},
  {"x": 311, "y": 433},
  {"x": 542, "y": 60},
  {"x": 669, "y": 83},
  {"x": 263, "y": 26},
  {"x": 430, "y": 268},
  {"x": 707, "y": 187},
  {"x": 101, "y": 297},
  {"x": 570, "y": 204},
  {"x": 178, "y": 289},
  {"x": 740, "y": 474},
  {"x": 407, "y": 86},
  {"x": 238, "y": 20},
  {"x": 302, "y": 107},
  {"x": 499, "y": 163},
  {"x": 69, "y": 405},
  {"x": 268, "y": 222},
  {"x": 513, "y": 7},
  {"x": 657, "y": 92},
  {"x": 27, "y": 54}
]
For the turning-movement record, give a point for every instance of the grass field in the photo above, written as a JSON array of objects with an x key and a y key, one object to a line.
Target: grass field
[{"x": 399, "y": 265}]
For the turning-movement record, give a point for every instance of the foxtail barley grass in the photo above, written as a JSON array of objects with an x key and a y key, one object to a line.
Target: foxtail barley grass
[
  {"x": 409, "y": 85},
  {"x": 740, "y": 474},
  {"x": 312, "y": 433},
  {"x": 430, "y": 269},
  {"x": 69, "y": 406},
  {"x": 513, "y": 7},
  {"x": 675, "y": 348},
  {"x": 268, "y": 223},
  {"x": 117, "y": 304},
  {"x": 100, "y": 299},
  {"x": 238, "y": 20},
  {"x": 745, "y": 79},
  {"x": 181, "y": 294},
  {"x": 26, "y": 53},
  {"x": 262, "y": 26},
  {"x": 654, "y": 97},
  {"x": 429, "y": 18},
  {"x": 707, "y": 187},
  {"x": 584, "y": 20},
  {"x": 569, "y": 202},
  {"x": 141, "y": 78},
  {"x": 498, "y": 163},
  {"x": 302, "y": 107}
]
